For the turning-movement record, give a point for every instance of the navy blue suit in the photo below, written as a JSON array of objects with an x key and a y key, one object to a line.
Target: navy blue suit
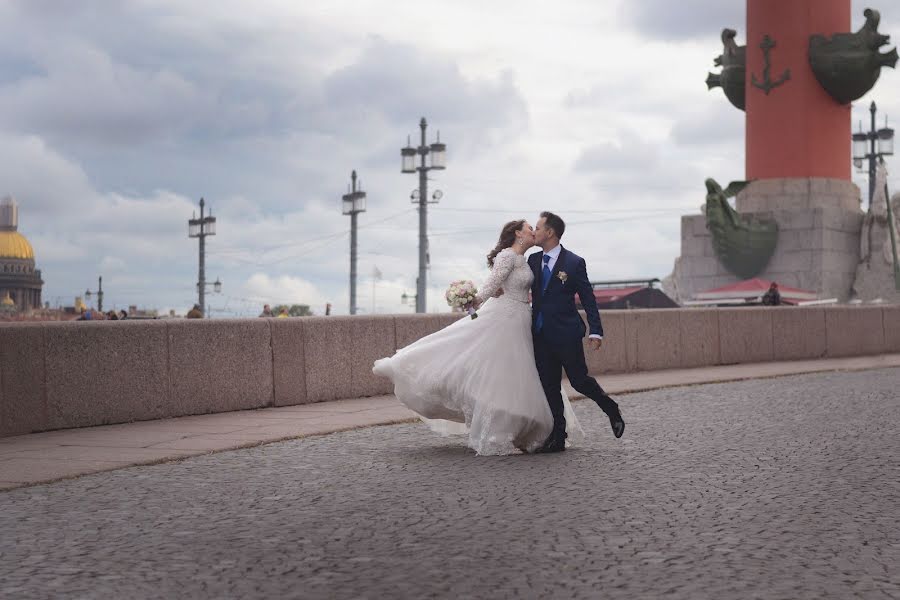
[{"x": 558, "y": 343}]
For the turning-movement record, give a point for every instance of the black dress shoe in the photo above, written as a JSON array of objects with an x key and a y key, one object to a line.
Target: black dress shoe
[
  {"x": 554, "y": 443},
  {"x": 618, "y": 425},
  {"x": 554, "y": 446}
]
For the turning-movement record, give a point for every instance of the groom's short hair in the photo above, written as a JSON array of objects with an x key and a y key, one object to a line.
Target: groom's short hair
[{"x": 554, "y": 222}]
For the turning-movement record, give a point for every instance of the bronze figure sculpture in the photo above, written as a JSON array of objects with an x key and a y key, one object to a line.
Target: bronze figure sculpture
[
  {"x": 733, "y": 61},
  {"x": 848, "y": 64},
  {"x": 743, "y": 244}
]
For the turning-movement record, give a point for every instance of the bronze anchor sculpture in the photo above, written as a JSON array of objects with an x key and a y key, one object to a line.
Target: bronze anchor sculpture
[{"x": 768, "y": 84}]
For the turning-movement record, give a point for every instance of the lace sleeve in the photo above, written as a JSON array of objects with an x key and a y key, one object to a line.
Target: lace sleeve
[{"x": 503, "y": 266}]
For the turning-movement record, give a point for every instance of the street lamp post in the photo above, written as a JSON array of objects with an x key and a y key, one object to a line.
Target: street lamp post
[
  {"x": 872, "y": 145},
  {"x": 438, "y": 152},
  {"x": 354, "y": 203},
  {"x": 200, "y": 228},
  {"x": 89, "y": 293}
]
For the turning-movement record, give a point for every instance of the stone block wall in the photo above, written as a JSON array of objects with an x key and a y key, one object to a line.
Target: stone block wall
[
  {"x": 799, "y": 195},
  {"x": 59, "y": 375}
]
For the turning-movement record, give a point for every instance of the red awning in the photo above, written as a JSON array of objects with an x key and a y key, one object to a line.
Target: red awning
[
  {"x": 613, "y": 294},
  {"x": 753, "y": 288}
]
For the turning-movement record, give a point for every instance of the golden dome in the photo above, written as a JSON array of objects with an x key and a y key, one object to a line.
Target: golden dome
[
  {"x": 7, "y": 301},
  {"x": 15, "y": 245}
]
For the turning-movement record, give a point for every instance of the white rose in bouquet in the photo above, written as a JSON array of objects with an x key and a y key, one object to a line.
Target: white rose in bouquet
[{"x": 461, "y": 294}]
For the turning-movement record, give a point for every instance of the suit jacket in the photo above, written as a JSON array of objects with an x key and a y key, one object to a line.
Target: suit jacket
[{"x": 561, "y": 319}]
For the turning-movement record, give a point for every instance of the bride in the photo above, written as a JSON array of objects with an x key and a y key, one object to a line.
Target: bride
[{"x": 477, "y": 377}]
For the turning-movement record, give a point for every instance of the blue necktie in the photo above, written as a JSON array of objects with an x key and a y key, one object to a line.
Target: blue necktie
[
  {"x": 539, "y": 321},
  {"x": 546, "y": 273}
]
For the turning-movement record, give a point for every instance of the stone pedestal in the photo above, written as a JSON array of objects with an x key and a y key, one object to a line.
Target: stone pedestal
[
  {"x": 819, "y": 224},
  {"x": 799, "y": 194}
]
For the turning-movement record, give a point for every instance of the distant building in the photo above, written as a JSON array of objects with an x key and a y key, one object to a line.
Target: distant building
[
  {"x": 7, "y": 306},
  {"x": 613, "y": 295},
  {"x": 144, "y": 313},
  {"x": 20, "y": 281}
]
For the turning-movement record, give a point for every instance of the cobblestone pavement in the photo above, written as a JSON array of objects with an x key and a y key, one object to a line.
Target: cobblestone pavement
[{"x": 779, "y": 488}]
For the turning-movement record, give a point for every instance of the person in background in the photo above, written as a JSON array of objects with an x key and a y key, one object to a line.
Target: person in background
[
  {"x": 267, "y": 311},
  {"x": 283, "y": 314},
  {"x": 772, "y": 297}
]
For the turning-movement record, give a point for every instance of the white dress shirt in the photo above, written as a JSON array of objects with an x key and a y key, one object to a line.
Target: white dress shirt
[{"x": 554, "y": 255}]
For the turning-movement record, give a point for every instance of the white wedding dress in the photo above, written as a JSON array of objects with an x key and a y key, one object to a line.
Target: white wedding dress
[{"x": 477, "y": 377}]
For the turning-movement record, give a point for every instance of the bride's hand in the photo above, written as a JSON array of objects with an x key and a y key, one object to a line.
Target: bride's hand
[{"x": 498, "y": 293}]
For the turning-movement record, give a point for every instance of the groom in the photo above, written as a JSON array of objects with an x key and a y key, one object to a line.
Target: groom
[{"x": 558, "y": 329}]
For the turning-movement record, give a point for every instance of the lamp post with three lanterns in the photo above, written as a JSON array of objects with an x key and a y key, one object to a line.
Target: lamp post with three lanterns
[
  {"x": 200, "y": 228},
  {"x": 99, "y": 292},
  {"x": 438, "y": 153},
  {"x": 354, "y": 202}
]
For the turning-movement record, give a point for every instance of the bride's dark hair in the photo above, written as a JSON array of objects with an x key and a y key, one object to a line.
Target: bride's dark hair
[{"x": 507, "y": 239}]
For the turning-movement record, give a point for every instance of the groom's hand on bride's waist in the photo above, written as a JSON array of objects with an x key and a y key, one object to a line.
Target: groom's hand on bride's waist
[
  {"x": 498, "y": 293},
  {"x": 596, "y": 343}
]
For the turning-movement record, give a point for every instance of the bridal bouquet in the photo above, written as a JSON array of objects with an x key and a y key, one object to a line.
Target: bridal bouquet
[{"x": 461, "y": 294}]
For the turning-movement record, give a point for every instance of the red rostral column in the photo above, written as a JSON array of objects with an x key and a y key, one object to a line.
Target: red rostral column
[{"x": 796, "y": 130}]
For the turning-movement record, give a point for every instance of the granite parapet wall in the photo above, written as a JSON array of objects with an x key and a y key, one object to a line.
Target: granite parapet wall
[{"x": 60, "y": 375}]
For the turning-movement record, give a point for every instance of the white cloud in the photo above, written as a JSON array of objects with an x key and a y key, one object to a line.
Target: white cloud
[
  {"x": 46, "y": 183},
  {"x": 85, "y": 94},
  {"x": 112, "y": 264},
  {"x": 684, "y": 19},
  {"x": 264, "y": 289}
]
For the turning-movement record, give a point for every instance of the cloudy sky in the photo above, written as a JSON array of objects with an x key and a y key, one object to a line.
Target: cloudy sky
[{"x": 117, "y": 116}]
